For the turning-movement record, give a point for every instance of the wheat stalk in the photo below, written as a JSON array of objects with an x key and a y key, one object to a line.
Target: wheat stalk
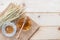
[{"x": 12, "y": 15}]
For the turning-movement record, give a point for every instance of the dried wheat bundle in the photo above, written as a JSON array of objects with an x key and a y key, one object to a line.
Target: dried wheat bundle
[{"x": 11, "y": 14}]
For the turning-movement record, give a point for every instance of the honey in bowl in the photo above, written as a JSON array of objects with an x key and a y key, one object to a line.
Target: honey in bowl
[
  {"x": 9, "y": 29},
  {"x": 27, "y": 24}
]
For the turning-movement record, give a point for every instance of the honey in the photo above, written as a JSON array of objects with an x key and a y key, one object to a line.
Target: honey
[
  {"x": 9, "y": 29},
  {"x": 27, "y": 24}
]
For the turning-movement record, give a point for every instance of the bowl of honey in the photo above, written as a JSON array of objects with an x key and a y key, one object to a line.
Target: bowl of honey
[
  {"x": 27, "y": 24},
  {"x": 9, "y": 29}
]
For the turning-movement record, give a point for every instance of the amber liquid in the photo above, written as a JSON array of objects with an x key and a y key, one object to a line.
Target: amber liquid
[
  {"x": 27, "y": 24},
  {"x": 9, "y": 29}
]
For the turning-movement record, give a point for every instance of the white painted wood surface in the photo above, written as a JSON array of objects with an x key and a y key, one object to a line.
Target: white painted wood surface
[
  {"x": 47, "y": 33},
  {"x": 49, "y": 23},
  {"x": 34, "y": 5},
  {"x": 45, "y": 20},
  {"x": 43, "y": 5}
]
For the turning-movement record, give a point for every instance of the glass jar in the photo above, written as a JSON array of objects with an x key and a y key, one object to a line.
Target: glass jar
[{"x": 19, "y": 22}]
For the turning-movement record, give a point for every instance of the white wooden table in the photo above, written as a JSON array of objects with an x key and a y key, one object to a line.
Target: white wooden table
[
  {"x": 49, "y": 25},
  {"x": 49, "y": 22}
]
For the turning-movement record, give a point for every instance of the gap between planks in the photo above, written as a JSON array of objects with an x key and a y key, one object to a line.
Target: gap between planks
[
  {"x": 44, "y": 12},
  {"x": 51, "y": 26}
]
